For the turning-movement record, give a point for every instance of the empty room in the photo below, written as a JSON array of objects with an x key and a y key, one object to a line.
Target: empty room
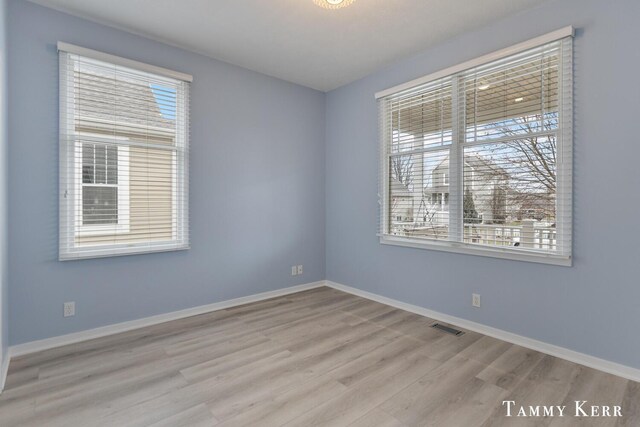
[{"x": 357, "y": 213}]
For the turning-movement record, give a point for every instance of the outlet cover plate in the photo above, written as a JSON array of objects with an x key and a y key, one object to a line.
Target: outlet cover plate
[
  {"x": 69, "y": 309},
  {"x": 475, "y": 300}
]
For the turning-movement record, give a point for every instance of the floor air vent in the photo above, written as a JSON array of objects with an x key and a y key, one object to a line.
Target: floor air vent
[{"x": 447, "y": 329}]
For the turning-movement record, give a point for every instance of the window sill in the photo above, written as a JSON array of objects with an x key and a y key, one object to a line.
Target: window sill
[
  {"x": 467, "y": 249},
  {"x": 119, "y": 250}
]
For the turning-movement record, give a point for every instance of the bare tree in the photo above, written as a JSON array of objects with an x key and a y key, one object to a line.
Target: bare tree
[
  {"x": 537, "y": 154},
  {"x": 401, "y": 168},
  {"x": 529, "y": 155}
]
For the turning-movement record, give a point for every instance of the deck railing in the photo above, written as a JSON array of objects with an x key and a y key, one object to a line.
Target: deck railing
[{"x": 529, "y": 234}]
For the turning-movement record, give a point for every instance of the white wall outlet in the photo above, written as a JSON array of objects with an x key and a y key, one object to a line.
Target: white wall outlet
[
  {"x": 299, "y": 270},
  {"x": 69, "y": 309},
  {"x": 475, "y": 300},
  {"x": 294, "y": 270}
]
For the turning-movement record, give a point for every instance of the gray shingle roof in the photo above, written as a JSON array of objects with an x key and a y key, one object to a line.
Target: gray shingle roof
[{"x": 129, "y": 104}]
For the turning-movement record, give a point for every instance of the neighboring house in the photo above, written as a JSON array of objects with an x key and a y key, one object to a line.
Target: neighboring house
[
  {"x": 483, "y": 179},
  {"x": 125, "y": 188},
  {"x": 538, "y": 206},
  {"x": 401, "y": 203}
]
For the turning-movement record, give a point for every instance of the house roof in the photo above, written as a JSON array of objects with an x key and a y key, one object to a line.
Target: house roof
[
  {"x": 477, "y": 161},
  {"x": 487, "y": 168},
  {"x": 398, "y": 189},
  {"x": 121, "y": 105}
]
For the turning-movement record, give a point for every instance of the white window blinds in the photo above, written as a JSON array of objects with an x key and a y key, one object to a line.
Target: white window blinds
[
  {"x": 479, "y": 160},
  {"x": 124, "y": 138}
]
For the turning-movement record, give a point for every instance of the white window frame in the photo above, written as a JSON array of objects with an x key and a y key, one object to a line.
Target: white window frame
[
  {"x": 71, "y": 195},
  {"x": 564, "y": 164},
  {"x": 123, "y": 223}
]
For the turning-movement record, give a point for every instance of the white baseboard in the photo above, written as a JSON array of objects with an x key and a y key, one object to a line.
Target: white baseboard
[
  {"x": 103, "y": 331},
  {"x": 553, "y": 350}
]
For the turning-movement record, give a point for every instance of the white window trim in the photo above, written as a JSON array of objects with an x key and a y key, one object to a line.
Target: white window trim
[
  {"x": 125, "y": 62},
  {"x": 486, "y": 251},
  {"x": 565, "y": 158},
  {"x": 481, "y": 60},
  {"x": 71, "y": 195},
  {"x": 122, "y": 250}
]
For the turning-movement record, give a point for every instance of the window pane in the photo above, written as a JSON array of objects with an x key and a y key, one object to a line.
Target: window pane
[
  {"x": 88, "y": 166},
  {"x": 125, "y": 104},
  {"x": 513, "y": 98},
  {"x": 112, "y": 165},
  {"x": 510, "y": 193},
  {"x": 99, "y": 205},
  {"x": 153, "y": 208},
  {"x": 422, "y": 120},
  {"x": 100, "y": 164},
  {"x": 419, "y": 195}
]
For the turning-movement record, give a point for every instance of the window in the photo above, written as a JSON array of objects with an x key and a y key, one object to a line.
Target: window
[
  {"x": 104, "y": 193},
  {"x": 478, "y": 157},
  {"x": 123, "y": 156}
]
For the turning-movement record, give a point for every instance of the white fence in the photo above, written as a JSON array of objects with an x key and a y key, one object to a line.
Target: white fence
[
  {"x": 527, "y": 235},
  {"x": 530, "y": 234}
]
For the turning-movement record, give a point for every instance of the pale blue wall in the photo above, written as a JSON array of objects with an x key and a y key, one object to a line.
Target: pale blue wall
[
  {"x": 4, "y": 282},
  {"x": 592, "y": 307},
  {"x": 257, "y": 187}
]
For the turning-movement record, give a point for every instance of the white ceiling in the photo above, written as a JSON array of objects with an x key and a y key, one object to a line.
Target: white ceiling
[{"x": 296, "y": 40}]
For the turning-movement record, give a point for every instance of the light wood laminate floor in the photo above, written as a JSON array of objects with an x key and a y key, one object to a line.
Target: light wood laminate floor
[{"x": 319, "y": 357}]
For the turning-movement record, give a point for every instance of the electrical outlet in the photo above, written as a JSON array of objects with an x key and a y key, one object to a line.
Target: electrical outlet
[
  {"x": 475, "y": 300},
  {"x": 294, "y": 270},
  {"x": 299, "y": 270},
  {"x": 69, "y": 309}
]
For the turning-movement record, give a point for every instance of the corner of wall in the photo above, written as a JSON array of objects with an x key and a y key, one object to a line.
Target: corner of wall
[{"x": 4, "y": 137}]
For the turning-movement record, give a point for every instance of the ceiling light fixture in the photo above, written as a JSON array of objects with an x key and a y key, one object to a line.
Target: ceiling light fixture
[
  {"x": 333, "y": 4},
  {"x": 519, "y": 99},
  {"x": 484, "y": 86}
]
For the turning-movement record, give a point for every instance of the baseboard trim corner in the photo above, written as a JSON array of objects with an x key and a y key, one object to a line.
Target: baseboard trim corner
[
  {"x": 607, "y": 366},
  {"x": 4, "y": 369},
  {"x": 103, "y": 331}
]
